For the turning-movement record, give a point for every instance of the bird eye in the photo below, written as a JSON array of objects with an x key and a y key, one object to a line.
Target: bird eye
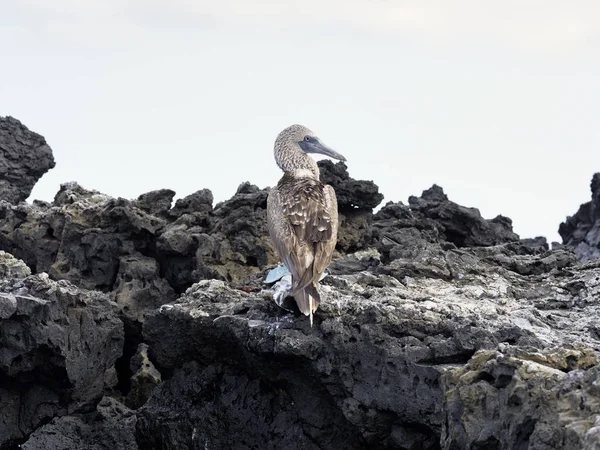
[{"x": 307, "y": 138}]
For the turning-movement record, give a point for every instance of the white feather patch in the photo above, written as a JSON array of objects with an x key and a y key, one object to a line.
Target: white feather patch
[{"x": 303, "y": 173}]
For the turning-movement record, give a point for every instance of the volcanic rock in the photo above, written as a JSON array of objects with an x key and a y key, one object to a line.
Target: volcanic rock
[
  {"x": 144, "y": 379},
  {"x": 460, "y": 225},
  {"x": 356, "y": 201},
  {"x": 58, "y": 347},
  {"x": 437, "y": 328},
  {"x": 157, "y": 203},
  {"x": 378, "y": 365},
  {"x": 198, "y": 202},
  {"x": 111, "y": 427},
  {"x": 543, "y": 399},
  {"x": 24, "y": 158},
  {"x": 581, "y": 232}
]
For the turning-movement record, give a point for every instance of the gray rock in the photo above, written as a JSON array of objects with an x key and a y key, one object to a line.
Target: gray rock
[
  {"x": 460, "y": 225},
  {"x": 212, "y": 412},
  {"x": 24, "y": 158},
  {"x": 157, "y": 203},
  {"x": 85, "y": 236},
  {"x": 356, "y": 200},
  {"x": 144, "y": 379},
  {"x": 111, "y": 427},
  {"x": 199, "y": 202},
  {"x": 351, "y": 194},
  {"x": 139, "y": 287},
  {"x": 581, "y": 232},
  {"x": 57, "y": 351},
  {"x": 8, "y": 305},
  {"x": 238, "y": 243},
  {"x": 433, "y": 321},
  {"x": 92, "y": 240},
  {"x": 548, "y": 399},
  {"x": 11, "y": 267},
  {"x": 355, "y": 262},
  {"x": 379, "y": 362}
]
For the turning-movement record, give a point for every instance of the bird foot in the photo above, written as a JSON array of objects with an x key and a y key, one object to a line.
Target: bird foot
[{"x": 281, "y": 294}]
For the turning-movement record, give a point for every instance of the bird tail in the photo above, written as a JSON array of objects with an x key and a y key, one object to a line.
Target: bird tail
[{"x": 308, "y": 300}]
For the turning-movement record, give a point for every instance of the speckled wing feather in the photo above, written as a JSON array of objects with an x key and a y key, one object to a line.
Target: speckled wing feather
[
  {"x": 282, "y": 233},
  {"x": 308, "y": 209},
  {"x": 324, "y": 249}
]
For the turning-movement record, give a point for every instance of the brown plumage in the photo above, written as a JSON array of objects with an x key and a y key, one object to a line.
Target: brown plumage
[{"x": 302, "y": 214}]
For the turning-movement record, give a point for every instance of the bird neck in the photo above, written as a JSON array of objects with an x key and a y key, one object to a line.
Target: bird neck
[{"x": 294, "y": 162}]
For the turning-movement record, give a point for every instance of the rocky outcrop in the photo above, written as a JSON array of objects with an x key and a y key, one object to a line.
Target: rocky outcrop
[
  {"x": 543, "y": 399},
  {"x": 392, "y": 362},
  {"x": 581, "y": 232},
  {"x": 24, "y": 158},
  {"x": 460, "y": 225},
  {"x": 110, "y": 427},
  {"x": 356, "y": 201},
  {"x": 133, "y": 324},
  {"x": 11, "y": 267},
  {"x": 237, "y": 244},
  {"x": 435, "y": 237},
  {"x": 388, "y": 362},
  {"x": 141, "y": 253},
  {"x": 432, "y": 218},
  {"x": 58, "y": 348},
  {"x": 146, "y": 251}
]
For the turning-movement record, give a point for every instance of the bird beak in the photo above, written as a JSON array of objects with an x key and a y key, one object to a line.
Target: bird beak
[{"x": 322, "y": 149}]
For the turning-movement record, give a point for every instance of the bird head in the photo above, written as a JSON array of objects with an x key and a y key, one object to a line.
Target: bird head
[{"x": 307, "y": 141}]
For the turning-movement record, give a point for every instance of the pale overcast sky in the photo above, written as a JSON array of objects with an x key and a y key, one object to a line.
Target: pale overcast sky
[{"x": 496, "y": 101}]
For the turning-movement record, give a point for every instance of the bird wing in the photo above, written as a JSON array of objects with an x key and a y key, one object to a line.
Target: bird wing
[
  {"x": 303, "y": 225},
  {"x": 282, "y": 233},
  {"x": 324, "y": 248}
]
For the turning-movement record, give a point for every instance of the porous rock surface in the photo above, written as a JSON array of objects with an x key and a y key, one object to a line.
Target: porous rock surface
[
  {"x": 110, "y": 427},
  {"x": 144, "y": 252},
  {"x": 58, "y": 348},
  {"x": 24, "y": 158},
  {"x": 437, "y": 363},
  {"x": 139, "y": 324},
  {"x": 582, "y": 230}
]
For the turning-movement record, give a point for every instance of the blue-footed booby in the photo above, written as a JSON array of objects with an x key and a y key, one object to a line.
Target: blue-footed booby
[{"x": 302, "y": 214}]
